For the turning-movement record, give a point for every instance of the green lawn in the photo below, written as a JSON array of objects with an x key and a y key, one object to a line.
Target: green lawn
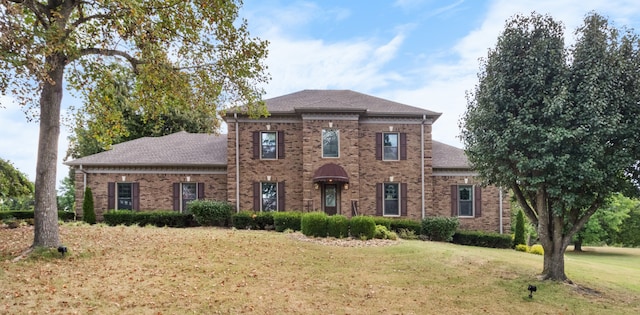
[{"x": 132, "y": 270}]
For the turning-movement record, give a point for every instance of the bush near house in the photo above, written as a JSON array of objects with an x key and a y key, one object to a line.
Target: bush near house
[
  {"x": 211, "y": 212},
  {"x": 439, "y": 229},
  {"x": 289, "y": 220},
  {"x": 362, "y": 227},
  {"x": 157, "y": 218},
  {"x": 383, "y": 233},
  {"x": 482, "y": 239},
  {"x": 386, "y": 222},
  {"x": 88, "y": 212},
  {"x": 243, "y": 220},
  {"x": 314, "y": 224},
  {"x": 398, "y": 225},
  {"x": 519, "y": 230},
  {"x": 338, "y": 226},
  {"x": 28, "y": 214}
]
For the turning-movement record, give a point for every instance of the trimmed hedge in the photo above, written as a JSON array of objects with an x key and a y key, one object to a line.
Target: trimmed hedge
[
  {"x": 250, "y": 220},
  {"x": 440, "y": 229},
  {"x": 363, "y": 227},
  {"x": 211, "y": 212},
  {"x": 287, "y": 220},
  {"x": 338, "y": 226},
  {"x": 398, "y": 224},
  {"x": 314, "y": 224},
  {"x": 156, "y": 218},
  {"x": 386, "y": 222},
  {"x": 28, "y": 214},
  {"x": 482, "y": 239},
  {"x": 263, "y": 220}
]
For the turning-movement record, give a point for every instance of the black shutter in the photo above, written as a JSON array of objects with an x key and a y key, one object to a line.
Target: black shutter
[
  {"x": 454, "y": 200},
  {"x": 135, "y": 196},
  {"x": 280, "y": 144},
  {"x": 477, "y": 201},
  {"x": 281, "y": 196},
  {"x": 111, "y": 195},
  {"x": 403, "y": 199},
  {"x": 176, "y": 197},
  {"x": 256, "y": 145},
  {"x": 379, "y": 199},
  {"x": 256, "y": 196},
  {"x": 403, "y": 146},
  {"x": 378, "y": 145},
  {"x": 200, "y": 190}
]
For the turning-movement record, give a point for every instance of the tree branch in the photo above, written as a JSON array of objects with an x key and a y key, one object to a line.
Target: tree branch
[
  {"x": 39, "y": 9},
  {"x": 530, "y": 213},
  {"x": 111, "y": 52}
]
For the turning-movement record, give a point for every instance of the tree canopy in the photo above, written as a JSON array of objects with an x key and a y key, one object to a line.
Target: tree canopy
[
  {"x": 13, "y": 183},
  {"x": 556, "y": 125},
  {"x": 187, "y": 55}
]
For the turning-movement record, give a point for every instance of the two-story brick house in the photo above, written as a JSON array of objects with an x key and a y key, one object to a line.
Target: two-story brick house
[{"x": 336, "y": 151}]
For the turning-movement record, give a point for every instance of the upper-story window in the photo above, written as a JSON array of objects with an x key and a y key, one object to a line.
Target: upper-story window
[
  {"x": 330, "y": 143},
  {"x": 390, "y": 144},
  {"x": 268, "y": 145}
]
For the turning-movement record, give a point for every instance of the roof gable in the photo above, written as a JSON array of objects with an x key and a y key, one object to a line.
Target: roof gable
[{"x": 445, "y": 156}]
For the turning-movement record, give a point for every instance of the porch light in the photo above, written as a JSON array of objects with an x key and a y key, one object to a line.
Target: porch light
[
  {"x": 316, "y": 186},
  {"x": 346, "y": 186}
]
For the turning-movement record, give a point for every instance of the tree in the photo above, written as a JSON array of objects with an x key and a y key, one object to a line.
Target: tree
[
  {"x": 629, "y": 234},
  {"x": 556, "y": 126},
  {"x": 183, "y": 54},
  {"x": 519, "y": 233},
  {"x": 13, "y": 183},
  {"x": 606, "y": 223},
  {"x": 88, "y": 211},
  {"x": 67, "y": 194}
]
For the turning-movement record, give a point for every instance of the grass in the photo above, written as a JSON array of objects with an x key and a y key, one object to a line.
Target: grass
[{"x": 133, "y": 270}]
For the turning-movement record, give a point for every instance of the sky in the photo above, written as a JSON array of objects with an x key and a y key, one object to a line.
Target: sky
[{"x": 423, "y": 53}]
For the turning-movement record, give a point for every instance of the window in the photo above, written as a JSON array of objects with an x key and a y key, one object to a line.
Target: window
[
  {"x": 465, "y": 201},
  {"x": 189, "y": 193},
  {"x": 125, "y": 196},
  {"x": 268, "y": 145},
  {"x": 390, "y": 144},
  {"x": 269, "y": 197},
  {"x": 391, "y": 199},
  {"x": 330, "y": 143}
]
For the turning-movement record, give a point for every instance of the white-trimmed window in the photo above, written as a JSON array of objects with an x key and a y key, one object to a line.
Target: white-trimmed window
[
  {"x": 330, "y": 143},
  {"x": 390, "y": 145},
  {"x": 391, "y": 205},
  {"x": 188, "y": 192},
  {"x": 465, "y": 201},
  {"x": 124, "y": 193},
  {"x": 268, "y": 145},
  {"x": 269, "y": 196}
]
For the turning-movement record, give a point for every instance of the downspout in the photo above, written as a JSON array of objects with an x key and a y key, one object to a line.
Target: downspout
[
  {"x": 422, "y": 161},
  {"x": 84, "y": 188},
  {"x": 500, "y": 196},
  {"x": 235, "y": 116}
]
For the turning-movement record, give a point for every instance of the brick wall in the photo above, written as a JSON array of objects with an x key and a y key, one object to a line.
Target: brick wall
[{"x": 156, "y": 190}]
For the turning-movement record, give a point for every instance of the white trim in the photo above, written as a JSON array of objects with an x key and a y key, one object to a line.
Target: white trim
[
  {"x": 237, "y": 154},
  {"x": 276, "y": 146},
  {"x": 337, "y": 131},
  {"x": 473, "y": 201},
  {"x": 271, "y": 120},
  {"x": 153, "y": 171},
  {"x": 405, "y": 121},
  {"x": 323, "y": 116},
  {"x": 399, "y": 199},
  {"x": 397, "y": 146},
  {"x": 422, "y": 175}
]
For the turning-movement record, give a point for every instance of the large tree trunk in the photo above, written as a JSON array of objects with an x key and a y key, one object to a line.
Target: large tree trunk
[
  {"x": 550, "y": 231},
  {"x": 46, "y": 210},
  {"x": 577, "y": 244}
]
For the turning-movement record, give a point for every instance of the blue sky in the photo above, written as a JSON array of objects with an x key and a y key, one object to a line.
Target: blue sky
[{"x": 422, "y": 53}]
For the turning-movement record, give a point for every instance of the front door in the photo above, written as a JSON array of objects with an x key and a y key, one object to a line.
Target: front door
[{"x": 330, "y": 200}]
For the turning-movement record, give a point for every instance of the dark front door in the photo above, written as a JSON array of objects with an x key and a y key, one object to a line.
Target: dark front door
[{"x": 330, "y": 200}]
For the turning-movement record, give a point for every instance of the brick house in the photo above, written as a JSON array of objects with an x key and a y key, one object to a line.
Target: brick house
[{"x": 336, "y": 151}]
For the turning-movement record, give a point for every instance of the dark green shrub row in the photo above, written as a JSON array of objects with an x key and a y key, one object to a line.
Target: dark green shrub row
[
  {"x": 314, "y": 224},
  {"x": 252, "y": 220},
  {"x": 289, "y": 220},
  {"x": 156, "y": 218},
  {"x": 211, "y": 212},
  {"x": 397, "y": 225},
  {"x": 28, "y": 214},
  {"x": 482, "y": 239},
  {"x": 338, "y": 226},
  {"x": 363, "y": 227},
  {"x": 439, "y": 229}
]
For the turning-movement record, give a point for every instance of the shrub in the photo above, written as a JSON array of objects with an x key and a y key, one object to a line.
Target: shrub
[
  {"x": 362, "y": 227},
  {"x": 519, "y": 232},
  {"x": 287, "y": 220},
  {"x": 210, "y": 212},
  {"x": 338, "y": 226},
  {"x": 263, "y": 219},
  {"x": 383, "y": 233},
  {"x": 405, "y": 224},
  {"x": 314, "y": 224},
  {"x": 386, "y": 222},
  {"x": 155, "y": 218},
  {"x": 243, "y": 220},
  {"x": 407, "y": 234},
  {"x": 88, "y": 212},
  {"x": 482, "y": 239},
  {"x": 522, "y": 248},
  {"x": 536, "y": 249},
  {"x": 439, "y": 228},
  {"x": 28, "y": 214}
]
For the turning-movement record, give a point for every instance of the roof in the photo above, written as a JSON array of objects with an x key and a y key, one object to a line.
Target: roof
[
  {"x": 447, "y": 156},
  {"x": 177, "y": 149},
  {"x": 341, "y": 101}
]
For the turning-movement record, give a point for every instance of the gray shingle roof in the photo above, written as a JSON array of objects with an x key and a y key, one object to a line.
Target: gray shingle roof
[
  {"x": 178, "y": 149},
  {"x": 447, "y": 156},
  {"x": 341, "y": 100}
]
